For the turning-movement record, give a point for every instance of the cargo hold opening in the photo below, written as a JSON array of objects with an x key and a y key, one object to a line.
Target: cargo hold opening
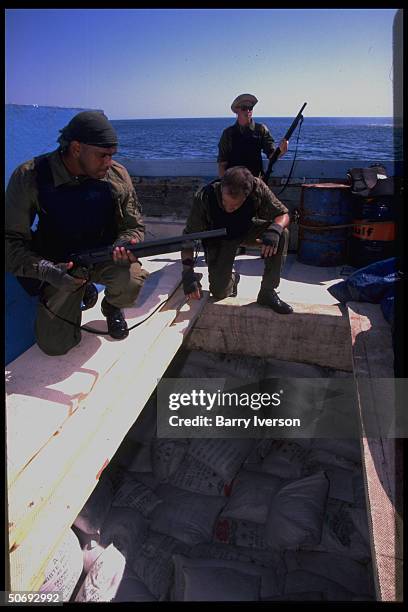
[{"x": 224, "y": 519}]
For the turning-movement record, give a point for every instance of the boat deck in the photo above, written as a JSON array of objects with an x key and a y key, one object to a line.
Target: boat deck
[
  {"x": 86, "y": 401},
  {"x": 316, "y": 333}
]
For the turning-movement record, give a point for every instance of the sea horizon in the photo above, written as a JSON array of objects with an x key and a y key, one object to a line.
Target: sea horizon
[
  {"x": 371, "y": 138},
  {"x": 228, "y": 117}
]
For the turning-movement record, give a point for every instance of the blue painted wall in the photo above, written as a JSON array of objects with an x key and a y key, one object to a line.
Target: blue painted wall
[{"x": 30, "y": 131}]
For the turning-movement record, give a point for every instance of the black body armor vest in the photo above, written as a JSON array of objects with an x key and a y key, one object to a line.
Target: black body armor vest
[
  {"x": 247, "y": 149},
  {"x": 72, "y": 217}
]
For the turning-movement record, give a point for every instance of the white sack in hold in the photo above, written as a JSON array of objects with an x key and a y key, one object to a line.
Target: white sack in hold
[
  {"x": 142, "y": 460},
  {"x": 350, "y": 574},
  {"x": 153, "y": 562},
  {"x": 264, "y": 558},
  {"x": 131, "y": 588},
  {"x": 93, "y": 514},
  {"x": 219, "y": 584},
  {"x": 251, "y": 495},
  {"x": 299, "y": 581},
  {"x": 271, "y": 583},
  {"x": 193, "y": 475},
  {"x": 260, "y": 449},
  {"x": 345, "y": 531},
  {"x": 285, "y": 459},
  {"x": 359, "y": 490},
  {"x": 240, "y": 533},
  {"x": 147, "y": 478},
  {"x": 134, "y": 494},
  {"x": 340, "y": 482},
  {"x": 64, "y": 568},
  {"x": 223, "y": 456},
  {"x": 189, "y": 517},
  {"x": 167, "y": 455},
  {"x": 103, "y": 579},
  {"x": 126, "y": 528},
  {"x": 296, "y": 513},
  {"x": 349, "y": 448},
  {"x": 91, "y": 551},
  {"x": 321, "y": 457}
]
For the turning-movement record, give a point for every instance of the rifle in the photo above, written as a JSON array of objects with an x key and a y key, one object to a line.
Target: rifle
[
  {"x": 277, "y": 151},
  {"x": 144, "y": 249}
]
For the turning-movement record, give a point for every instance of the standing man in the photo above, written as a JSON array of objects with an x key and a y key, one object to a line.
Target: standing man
[
  {"x": 84, "y": 199},
  {"x": 251, "y": 213},
  {"x": 242, "y": 144}
]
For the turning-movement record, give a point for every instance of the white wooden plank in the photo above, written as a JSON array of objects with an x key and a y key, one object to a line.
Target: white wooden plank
[
  {"x": 30, "y": 557},
  {"x": 43, "y": 391}
]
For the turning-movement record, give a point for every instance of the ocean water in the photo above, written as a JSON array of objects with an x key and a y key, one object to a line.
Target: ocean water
[
  {"x": 32, "y": 130},
  {"x": 363, "y": 138}
]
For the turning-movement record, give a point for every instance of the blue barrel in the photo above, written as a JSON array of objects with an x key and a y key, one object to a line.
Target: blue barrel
[{"x": 325, "y": 209}]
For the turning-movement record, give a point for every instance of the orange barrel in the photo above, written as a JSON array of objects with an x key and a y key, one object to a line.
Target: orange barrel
[
  {"x": 373, "y": 235},
  {"x": 324, "y": 224}
]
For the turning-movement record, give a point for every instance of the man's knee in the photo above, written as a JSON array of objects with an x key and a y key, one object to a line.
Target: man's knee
[
  {"x": 124, "y": 285},
  {"x": 57, "y": 346},
  {"x": 138, "y": 274},
  {"x": 55, "y": 337}
]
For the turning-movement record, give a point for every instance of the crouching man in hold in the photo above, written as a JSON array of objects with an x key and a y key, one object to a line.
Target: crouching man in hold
[
  {"x": 83, "y": 200},
  {"x": 251, "y": 214}
]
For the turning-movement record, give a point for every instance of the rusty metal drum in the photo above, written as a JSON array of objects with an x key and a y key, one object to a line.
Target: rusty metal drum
[
  {"x": 374, "y": 230},
  {"x": 324, "y": 225}
]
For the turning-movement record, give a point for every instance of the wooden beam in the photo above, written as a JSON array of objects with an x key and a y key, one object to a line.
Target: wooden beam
[
  {"x": 83, "y": 448},
  {"x": 314, "y": 333},
  {"x": 382, "y": 459}
]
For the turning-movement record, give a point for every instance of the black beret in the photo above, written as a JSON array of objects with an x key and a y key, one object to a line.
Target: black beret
[{"x": 90, "y": 127}]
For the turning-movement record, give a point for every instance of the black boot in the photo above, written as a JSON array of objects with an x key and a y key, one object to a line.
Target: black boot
[
  {"x": 117, "y": 326},
  {"x": 271, "y": 299}
]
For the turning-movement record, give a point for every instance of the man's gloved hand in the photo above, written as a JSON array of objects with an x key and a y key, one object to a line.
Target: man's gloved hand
[
  {"x": 191, "y": 282},
  {"x": 121, "y": 254},
  {"x": 56, "y": 275},
  {"x": 270, "y": 240},
  {"x": 121, "y": 242}
]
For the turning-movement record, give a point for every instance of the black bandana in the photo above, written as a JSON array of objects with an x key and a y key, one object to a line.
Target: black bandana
[{"x": 89, "y": 127}]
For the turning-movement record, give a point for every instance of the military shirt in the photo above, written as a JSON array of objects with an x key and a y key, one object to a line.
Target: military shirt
[
  {"x": 267, "y": 206},
  {"x": 225, "y": 143},
  {"x": 22, "y": 205}
]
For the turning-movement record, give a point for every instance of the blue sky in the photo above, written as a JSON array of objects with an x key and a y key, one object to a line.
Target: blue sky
[{"x": 147, "y": 63}]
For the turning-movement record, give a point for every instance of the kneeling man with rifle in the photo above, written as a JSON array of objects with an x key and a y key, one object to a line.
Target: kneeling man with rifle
[
  {"x": 83, "y": 199},
  {"x": 251, "y": 214}
]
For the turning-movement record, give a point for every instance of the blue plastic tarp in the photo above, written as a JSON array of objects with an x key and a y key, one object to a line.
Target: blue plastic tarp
[{"x": 375, "y": 283}]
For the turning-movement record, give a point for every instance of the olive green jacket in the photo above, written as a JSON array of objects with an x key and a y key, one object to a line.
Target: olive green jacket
[
  {"x": 267, "y": 206},
  {"x": 225, "y": 142},
  {"x": 22, "y": 205}
]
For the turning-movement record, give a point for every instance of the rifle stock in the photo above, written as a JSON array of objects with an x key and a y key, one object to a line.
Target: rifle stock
[
  {"x": 144, "y": 249},
  {"x": 277, "y": 151}
]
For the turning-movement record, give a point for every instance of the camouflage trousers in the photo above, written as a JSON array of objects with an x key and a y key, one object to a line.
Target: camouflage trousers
[
  {"x": 56, "y": 337},
  {"x": 220, "y": 256}
]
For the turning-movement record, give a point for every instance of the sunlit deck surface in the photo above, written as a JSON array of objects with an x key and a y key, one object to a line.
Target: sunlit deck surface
[{"x": 78, "y": 407}]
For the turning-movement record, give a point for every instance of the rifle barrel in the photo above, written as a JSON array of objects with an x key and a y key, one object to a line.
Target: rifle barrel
[
  {"x": 287, "y": 136},
  {"x": 145, "y": 249},
  {"x": 294, "y": 123}
]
